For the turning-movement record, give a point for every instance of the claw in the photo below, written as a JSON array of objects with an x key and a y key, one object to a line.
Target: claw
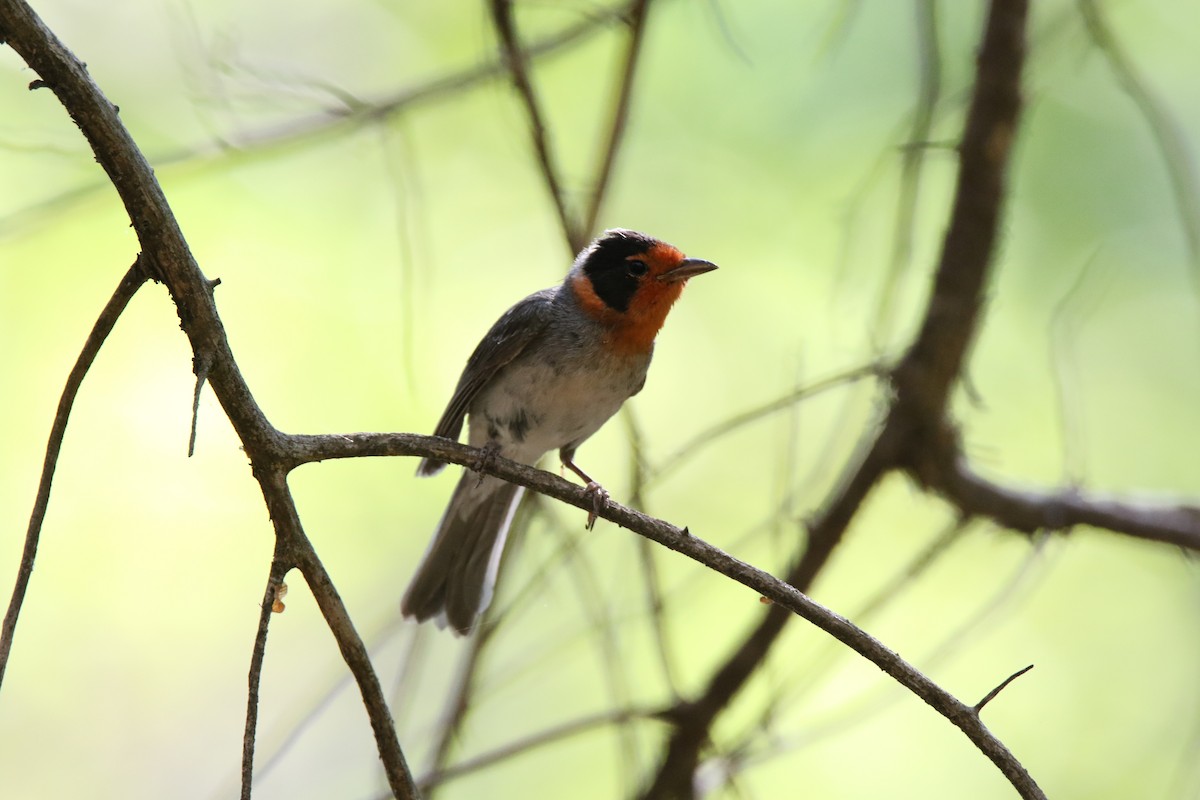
[
  {"x": 484, "y": 461},
  {"x": 594, "y": 490},
  {"x": 599, "y": 499}
]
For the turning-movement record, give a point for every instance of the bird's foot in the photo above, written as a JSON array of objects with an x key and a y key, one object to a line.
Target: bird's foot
[
  {"x": 485, "y": 460},
  {"x": 599, "y": 497}
]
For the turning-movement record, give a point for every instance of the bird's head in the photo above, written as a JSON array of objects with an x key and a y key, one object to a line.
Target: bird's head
[{"x": 628, "y": 281}]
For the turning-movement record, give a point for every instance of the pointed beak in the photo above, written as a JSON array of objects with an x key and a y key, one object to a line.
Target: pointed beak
[{"x": 688, "y": 268}]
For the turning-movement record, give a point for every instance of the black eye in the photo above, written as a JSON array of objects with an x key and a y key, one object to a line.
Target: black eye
[{"x": 637, "y": 268}]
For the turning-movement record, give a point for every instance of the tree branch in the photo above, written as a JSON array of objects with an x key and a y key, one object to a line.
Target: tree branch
[
  {"x": 549, "y": 736},
  {"x": 990, "y": 696},
  {"x": 165, "y": 254},
  {"x": 786, "y": 598},
  {"x": 358, "y": 659},
  {"x": 514, "y": 58},
  {"x": 912, "y": 163},
  {"x": 738, "y": 421},
  {"x": 126, "y": 289},
  {"x": 922, "y": 380},
  {"x": 279, "y": 569},
  {"x": 328, "y": 121},
  {"x": 637, "y": 14},
  {"x": 915, "y": 435},
  {"x": 934, "y": 362},
  {"x": 1031, "y": 510},
  {"x": 1168, "y": 135},
  {"x": 693, "y": 720}
]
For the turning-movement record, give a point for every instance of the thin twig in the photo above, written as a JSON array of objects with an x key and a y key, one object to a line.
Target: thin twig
[
  {"x": 1171, "y": 141},
  {"x": 604, "y": 634},
  {"x": 294, "y": 731},
  {"x": 651, "y": 581},
  {"x": 693, "y": 719},
  {"x": 279, "y": 569},
  {"x": 930, "y": 370},
  {"x": 637, "y": 13},
  {"x": 1030, "y": 510},
  {"x": 515, "y": 58},
  {"x": 167, "y": 252},
  {"x": 917, "y": 567},
  {"x": 459, "y": 702},
  {"x": 873, "y": 703},
  {"x": 922, "y": 380},
  {"x": 912, "y": 162},
  {"x": 332, "y": 121},
  {"x": 987, "y": 698},
  {"x": 786, "y": 598},
  {"x": 804, "y": 682},
  {"x": 203, "y": 365},
  {"x": 518, "y": 747},
  {"x": 411, "y": 665},
  {"x": 1068, "y": 401},
  {"x": 727, "y": 426},
  {"x": 1022, "y": 510},
  {"x": 291, "y": 539},
  {"x": 126, "y": 289},
  {"x": 358, "y": 659}
]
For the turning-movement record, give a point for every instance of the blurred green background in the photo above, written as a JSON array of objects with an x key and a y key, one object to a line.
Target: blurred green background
[{"x": 361, "y": 261}]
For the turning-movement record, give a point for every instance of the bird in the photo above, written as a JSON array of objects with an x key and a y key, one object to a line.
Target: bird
[{"x": 547, "y": 375}]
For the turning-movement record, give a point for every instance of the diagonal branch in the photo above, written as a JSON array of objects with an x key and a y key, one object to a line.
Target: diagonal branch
[
  {"x": 515, "y": 58},
  {"x": 787, "y": 599},
  {"x": 990, "y": 696},
  {"x": 620, "y": 114},
  {"x": 922, "y": 380},
  {"x": 1166, "y": 130},
  {"x": 126, "y": 289},
  {"x": 459, "y": 703},
  {"x": 279, "y": 569},
  {"x": 331, "y": 121},
  {"x": 694, "y": 719},
  {"x": 358, "y": 659},
  {"x": 740, "y": 420},
  {"x": 1031, "y": 510},
  {"x": 934, "y": 362},
  {"x": 912, "y": 163},
  {"x": 616, "y": 717},
  {"x": 166, "y": 255},
  {"x": 915, "y": 423}
]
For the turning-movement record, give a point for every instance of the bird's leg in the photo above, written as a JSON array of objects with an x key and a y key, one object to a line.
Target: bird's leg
[
  {"x": 485, "y": 459},
  {"x": 594, "y": 490}
]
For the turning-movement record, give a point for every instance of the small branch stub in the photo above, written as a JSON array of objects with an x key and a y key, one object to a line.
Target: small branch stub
[{"x": 1003, "y": 684}]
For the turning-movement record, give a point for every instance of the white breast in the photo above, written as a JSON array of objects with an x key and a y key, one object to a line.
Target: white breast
[{"x": 536, "y": 404}]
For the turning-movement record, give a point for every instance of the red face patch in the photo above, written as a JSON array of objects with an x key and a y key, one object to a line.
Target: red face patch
[{"x": 660, "y": 258}]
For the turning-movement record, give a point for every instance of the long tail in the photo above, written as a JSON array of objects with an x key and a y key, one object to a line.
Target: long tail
[{"x": 456, "y": 578}]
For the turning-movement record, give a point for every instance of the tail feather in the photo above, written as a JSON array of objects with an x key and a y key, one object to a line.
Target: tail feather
[{"x": 457, "y": 576}]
